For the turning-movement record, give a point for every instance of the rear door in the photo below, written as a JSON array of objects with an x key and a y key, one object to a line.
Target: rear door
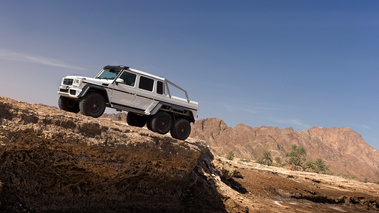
[{"x": 145, "y": 93}]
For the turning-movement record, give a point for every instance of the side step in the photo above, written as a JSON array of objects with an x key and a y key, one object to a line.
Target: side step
[{"x": 125, "y": 108}]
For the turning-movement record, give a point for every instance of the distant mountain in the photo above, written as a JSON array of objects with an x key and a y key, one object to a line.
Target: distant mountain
[{"x": 342, "y": 149}]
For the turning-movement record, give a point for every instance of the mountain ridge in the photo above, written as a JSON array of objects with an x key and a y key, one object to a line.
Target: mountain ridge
[{"x": 343, "y": 149}]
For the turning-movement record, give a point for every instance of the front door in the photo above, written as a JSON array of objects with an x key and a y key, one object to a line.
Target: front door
[{"x": 124, "y": 94}]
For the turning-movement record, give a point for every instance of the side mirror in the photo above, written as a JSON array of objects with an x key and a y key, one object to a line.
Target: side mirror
[{"x": 119, "y": 81}]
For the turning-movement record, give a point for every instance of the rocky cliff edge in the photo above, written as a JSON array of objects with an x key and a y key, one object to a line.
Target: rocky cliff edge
[{"x": 55, "y": 161}]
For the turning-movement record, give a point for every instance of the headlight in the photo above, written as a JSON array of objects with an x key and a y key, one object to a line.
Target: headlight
[{"x": 76, "y": 82}]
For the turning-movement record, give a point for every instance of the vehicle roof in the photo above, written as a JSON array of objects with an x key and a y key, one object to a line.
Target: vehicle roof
[{"x": 136, "y": 71}]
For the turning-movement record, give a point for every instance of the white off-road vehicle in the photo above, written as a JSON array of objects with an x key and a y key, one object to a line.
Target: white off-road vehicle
[{"x": 144, "y": 96}]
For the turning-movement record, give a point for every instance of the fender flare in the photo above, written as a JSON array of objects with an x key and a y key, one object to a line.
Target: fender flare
[
  {"x": 173, "y": 109},
  {"x": 95, "y": 88}
]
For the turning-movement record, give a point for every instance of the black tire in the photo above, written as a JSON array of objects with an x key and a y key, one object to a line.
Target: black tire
[
  {"x": 161, "y": 122},
  {"x": 148, "y": 124},
  {"x": 68, "y": 104},
  {"x": 135, "y": 120},
  {"x": 181, "y": 129},
  {"x": 92, "y": 105}
]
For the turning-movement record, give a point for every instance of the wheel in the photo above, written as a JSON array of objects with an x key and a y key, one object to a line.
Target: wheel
[
  {"x": 135, "y": 120},
  {"x": 68, "y": 104},
  {"x": 161, "y": 122},
  {"x": 148, "y": 124},
  {"x": 92, "y": 105},
  {"x": 181, "y": 129}
]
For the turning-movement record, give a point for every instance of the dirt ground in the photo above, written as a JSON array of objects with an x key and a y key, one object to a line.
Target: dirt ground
[
  {"x": 54, "y": 161},
  {"x": 268, "y": 189}
]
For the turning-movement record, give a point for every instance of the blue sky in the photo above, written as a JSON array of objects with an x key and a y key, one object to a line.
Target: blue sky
[{"x": 262, "y": 63}]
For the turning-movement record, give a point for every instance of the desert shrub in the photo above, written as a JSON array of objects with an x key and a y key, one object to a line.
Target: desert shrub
[
  {"x": 320, "y": 167},
  {"x": 278, "y": 160},
  {"x": 259, "y": 160},
  {"x": 230, "y": 155},
  {"x": 320, "y": 164},
  {"x": 296, "y": 158},
  {"x": 265, "y": 158},
  {"x": 301, "y": 152},
  {"x": 308, "y": 166},
  {"x": 293, "y": 146}
]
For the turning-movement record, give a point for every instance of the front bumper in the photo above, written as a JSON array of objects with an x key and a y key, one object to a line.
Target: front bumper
[{"x": 68, "y": 91}]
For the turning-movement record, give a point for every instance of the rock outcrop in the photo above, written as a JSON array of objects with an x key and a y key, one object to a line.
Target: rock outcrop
[
  {"x": 55, "y": 161},
  {"x": 342, "y": 149}
]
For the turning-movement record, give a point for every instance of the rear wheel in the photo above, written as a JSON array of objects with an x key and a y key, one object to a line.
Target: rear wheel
[
  {"x": 181, "y": 129},
  {"x": 161, "y": 122},
  {"x": 136, "y": 120},
  {"x": 92, "y": 105},
  {"x": 68, "y": 104}
]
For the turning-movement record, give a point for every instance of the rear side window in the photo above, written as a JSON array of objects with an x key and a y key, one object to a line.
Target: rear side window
[
  {"x": 160, "y": 88},
  {"x": 146, "y": 83}
]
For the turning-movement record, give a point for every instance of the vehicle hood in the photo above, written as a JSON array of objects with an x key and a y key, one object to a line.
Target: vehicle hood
[
  {"x": 98, "y": 81},
  {"x": 91, "y": 80}
]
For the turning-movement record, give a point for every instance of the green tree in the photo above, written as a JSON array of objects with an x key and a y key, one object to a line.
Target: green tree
[
  {"x": 230, "y": 155},
  {"x": 301, "y": 152},
  {"x": 293, "y": 146},
  {"x": 293, "y": 160},
  {"x": 308, "y": 166},
  {"x": 296, "y": 158},
  {"x": 265, "y": 158},
  {"x": 320, "y": 167}
]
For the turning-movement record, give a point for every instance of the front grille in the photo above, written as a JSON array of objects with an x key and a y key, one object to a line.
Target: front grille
[
  {"x": 67, "y": 81},
  {"x": 72, "y": 92},
  {"x": 63, "y": 90}
]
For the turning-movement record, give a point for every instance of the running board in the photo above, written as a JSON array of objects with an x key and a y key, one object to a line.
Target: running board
[{"x": 129, "y": 109}]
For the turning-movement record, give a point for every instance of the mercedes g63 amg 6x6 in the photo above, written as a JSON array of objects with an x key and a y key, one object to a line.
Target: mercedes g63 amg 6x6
[{"x": 145, "y": 97}]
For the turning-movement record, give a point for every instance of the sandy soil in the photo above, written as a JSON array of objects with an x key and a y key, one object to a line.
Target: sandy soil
[{"x": 272, "y": 189}]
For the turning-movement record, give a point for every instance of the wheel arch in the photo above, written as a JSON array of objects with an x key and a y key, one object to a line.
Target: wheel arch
[
  {"x": 94, "y": 88},
  {"x": 176, "y": 111}
]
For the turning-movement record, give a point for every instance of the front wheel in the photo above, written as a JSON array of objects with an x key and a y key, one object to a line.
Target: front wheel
[
  {"x": 181, "y": 129},
  {"x": 92, "y": 105},
  {"x": 68, "y": 104}
]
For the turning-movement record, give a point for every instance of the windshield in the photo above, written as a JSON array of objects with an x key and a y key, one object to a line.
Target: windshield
[{"x": 108, "y": 74}]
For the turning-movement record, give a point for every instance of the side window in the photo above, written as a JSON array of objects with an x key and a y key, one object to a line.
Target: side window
[
  {"x": 160, "y": 88},
  {"x": 129, "y": 78},
  {"x": 146, "y": 83}
]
